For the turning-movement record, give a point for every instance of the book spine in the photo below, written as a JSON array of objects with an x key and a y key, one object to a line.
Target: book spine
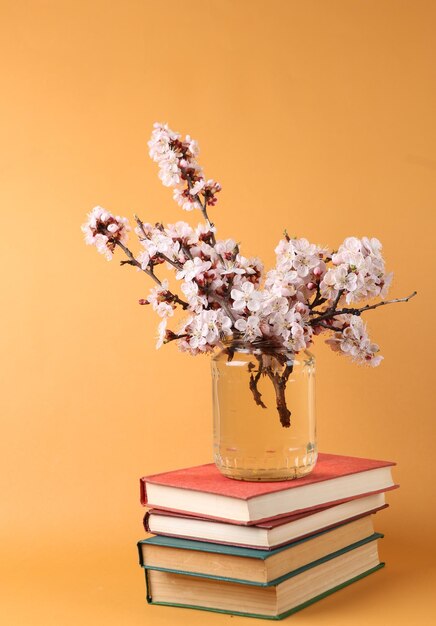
[
  {"x": 148, "y": 588},
  {"x": 140, "y": 554},
  {"x": 143, "y": 491},
  {"x": 146, "y": 522}
]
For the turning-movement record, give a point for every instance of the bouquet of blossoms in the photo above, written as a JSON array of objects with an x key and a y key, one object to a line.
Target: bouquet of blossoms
[{"x": 227, "y": 297}]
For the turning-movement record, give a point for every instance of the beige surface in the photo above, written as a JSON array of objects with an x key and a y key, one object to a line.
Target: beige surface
[{"x": 314, "y": 116}]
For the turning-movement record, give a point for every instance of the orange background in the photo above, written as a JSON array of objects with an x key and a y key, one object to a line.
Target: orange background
[{"x": 314, "y": 116}]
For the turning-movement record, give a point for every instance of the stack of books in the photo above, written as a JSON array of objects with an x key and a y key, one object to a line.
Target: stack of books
[{"x": 261, "y": 549}]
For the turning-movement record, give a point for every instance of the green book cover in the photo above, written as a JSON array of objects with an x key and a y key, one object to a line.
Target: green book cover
[
  {"x": 270, "y": 617},
  {"x": 238, "y": 551}
]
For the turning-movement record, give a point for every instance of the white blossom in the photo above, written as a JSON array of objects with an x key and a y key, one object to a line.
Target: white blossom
[
  {"x": 246, "y": 297},
  {"x": 328, "y": 285},
  {"x": 354, "y": 341},
  {"x": 306, "y": 257},
  {"x": 185, "y": 200},
  {"x": 274, "y": 306},
  {"x": 161, "y": 151},
  {"x": 191, "y": 292},
  {"x": 161, "y": 300},
  {"x": 250, "y": 327},
  {"x": 197, "y": 187},
  {"x": 226, "y": 248},
  {"x": 161, "y": 333},
  {"x": 178, "y": 168},
  {"x": 204, "y": 330},
  {"x": 286, "y": 253},
  {"x": 103, "y": 230},
  {"x": 361, "y": 258},
  {"x": 345, "y": 280},
  {"x": 193, "y": 268},
  {"x": 179, "y": 230}
]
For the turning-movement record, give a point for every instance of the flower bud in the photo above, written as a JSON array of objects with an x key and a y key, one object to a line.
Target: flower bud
[{"x": 300, "y": 307}]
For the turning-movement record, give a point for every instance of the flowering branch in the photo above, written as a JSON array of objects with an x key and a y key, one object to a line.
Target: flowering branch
[
  {"x": 140, "y": 223},
  {"x": 203, "y": 207},
  {"x": 132, "y": 261},
  {"x": 228, "y": 296},
  {"x": 352, "y": 311}
]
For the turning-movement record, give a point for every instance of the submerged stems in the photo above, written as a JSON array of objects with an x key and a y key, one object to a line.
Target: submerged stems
[{"x": 267, "y": 367}]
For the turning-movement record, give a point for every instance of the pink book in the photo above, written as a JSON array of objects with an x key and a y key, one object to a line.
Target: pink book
[
  {"x": 265, "y": 535},
  {"x": 203, "y": 491}
]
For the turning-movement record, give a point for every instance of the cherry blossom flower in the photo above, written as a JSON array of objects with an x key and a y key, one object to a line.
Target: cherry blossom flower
[
  {"x": 249, "y": 327},
  {"x": 104, "y": 230},
  {"x": 185, "y": 200},
  {"x": 306, "y": 257},
  {"x": 246, "y": 297},
  {"x": 196, "y": 301},
  {"x": 161, "y": 333},
  {"x": 274, "y": 306},
  {"x": 162, "y": 151},
  {"x": 204, "y": 331},
  {"x": 328, "y": 286},
  {"x": 193, "y": 269},
  {"x": 227, "y": 249},
  {"x": 161, "y": 300},
  {"x": 178, "y": 168},
  {"x": 345, "y": 280},
  {"x": 354, "y": 341}
]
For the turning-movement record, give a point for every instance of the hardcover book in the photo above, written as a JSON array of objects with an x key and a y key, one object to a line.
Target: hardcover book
[
  {"x": 265, "y": 535},
  {"x": 246, "y": 565},
  {"x": 293, "y": 592},
  {"x": 203, "y": 491}
]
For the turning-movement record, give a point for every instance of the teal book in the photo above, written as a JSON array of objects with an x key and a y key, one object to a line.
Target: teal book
[
  {"x": 276, "y": 600},
  {"x": 251, "y": 566}
]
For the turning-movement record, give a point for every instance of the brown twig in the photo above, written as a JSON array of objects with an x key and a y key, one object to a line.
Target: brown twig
[
  {"x": 336, "y": 301},
  {"x": 254, "y": 381},
  {"x": 318, "y": 300},
  {"x": 132, "y": 261},
  {"x": 203, "y": 207},
  {"x": 279, "y": 388},
  {"x": 332, "y": 328},
  {"x": 353, "y": 311}
]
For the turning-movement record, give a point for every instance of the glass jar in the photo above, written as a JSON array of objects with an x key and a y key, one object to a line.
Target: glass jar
[{"x": 264, "y": 412}]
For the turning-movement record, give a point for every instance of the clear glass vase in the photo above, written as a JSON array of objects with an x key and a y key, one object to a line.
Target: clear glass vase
[{"x": 264, "y": 412}]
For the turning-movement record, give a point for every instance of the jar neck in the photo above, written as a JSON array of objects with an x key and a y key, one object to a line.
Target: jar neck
[{"x": 259, "y": 346}]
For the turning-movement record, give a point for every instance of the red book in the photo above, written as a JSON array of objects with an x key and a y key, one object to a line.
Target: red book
[
  {"x": 265, "y": 535},
  {"x": 204, "y": 492}
]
